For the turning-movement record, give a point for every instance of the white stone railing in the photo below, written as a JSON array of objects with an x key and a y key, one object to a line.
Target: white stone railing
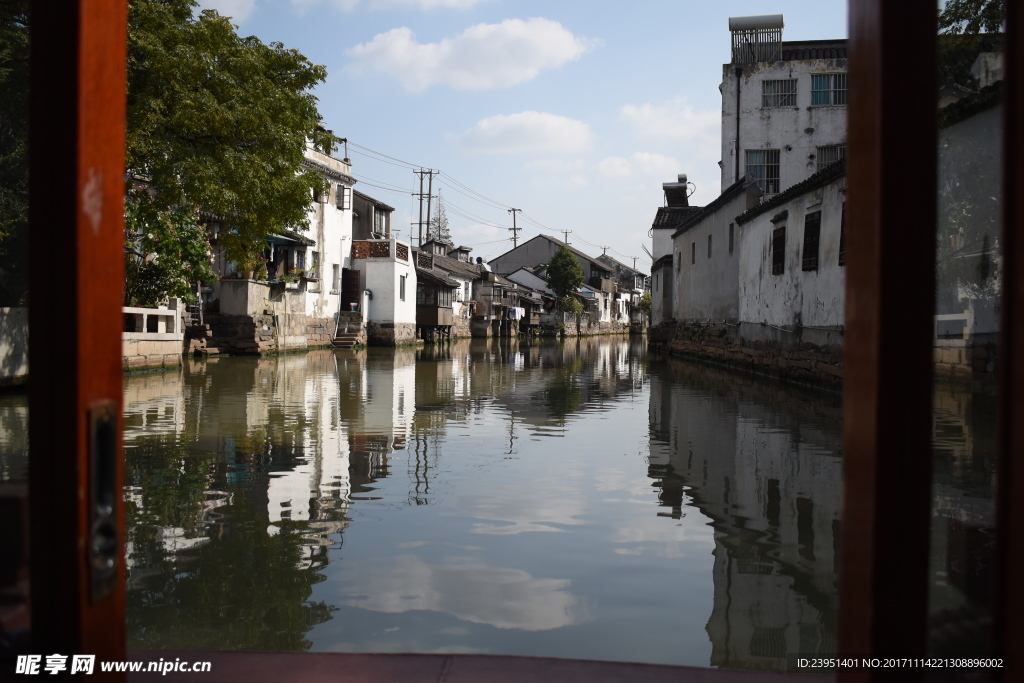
[
  {"x": 168, "y": 327},
  {"x": 967, "y": 316}
]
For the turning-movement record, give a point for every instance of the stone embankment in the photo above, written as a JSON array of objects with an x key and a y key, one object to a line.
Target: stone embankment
[{"x": 802, "y": 363}]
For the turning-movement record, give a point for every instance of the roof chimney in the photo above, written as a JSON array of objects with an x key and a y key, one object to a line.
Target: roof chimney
[{"x": 677, "y": 194}]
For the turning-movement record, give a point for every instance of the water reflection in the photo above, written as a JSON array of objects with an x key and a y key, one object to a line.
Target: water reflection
[
  {"x": 244, "y": 476},
  {"x": 573, "y": 500},
  {"x": 763, "y": 463}
]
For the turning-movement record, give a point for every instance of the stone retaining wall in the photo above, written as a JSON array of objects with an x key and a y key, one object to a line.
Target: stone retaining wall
[
  {"x": 803, "y": 363},
  {"x": 319, "y": 332},
  {"x": 390, "y": 334},
  {"x": 138, "y": 354}
]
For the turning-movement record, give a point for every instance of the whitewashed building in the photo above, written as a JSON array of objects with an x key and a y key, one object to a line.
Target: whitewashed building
[
  {"x": 792, "y": 262},
  {"x": 330, "y": 228},
  {"x": 783, "y": 105}
]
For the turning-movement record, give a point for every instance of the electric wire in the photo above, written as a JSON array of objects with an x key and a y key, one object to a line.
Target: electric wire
[{"x": 463, "y": 189}]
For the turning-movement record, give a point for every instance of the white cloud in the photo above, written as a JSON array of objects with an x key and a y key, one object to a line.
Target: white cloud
[
  {"x": 678, "y": 121},
  {"x": 526, "y": 132},
  {"x": 481, "y": 57},
  {"x": 640, "y": 163},
  {"x": 426, "y": 4},
  {"x": 615, "y": 167},
  {"x": 348, "y": 5},
  {"x": 501, "y": 597},
  {"x": 302, "y": 6},
  {"x": 236, "y": 9},
  {"x": 556, "y": 165}
]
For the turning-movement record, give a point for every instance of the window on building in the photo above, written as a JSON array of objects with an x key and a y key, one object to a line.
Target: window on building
[
  {"x": 709, "y": 246},
  {"x": 336, "y": 278},
  {"x": 828, "y": 89},
  {"x": 300, "y": 259},
  {"x": 731, "y": 242},
  {"x": 401, "y": 287},
  {"x": 812, "y": 234},
  {"x": 842, "y": 237},
  {"x": 830, "y": 154},
  {"x": 315, "y": 268},
  {"x": 693, "y": 253},
  {"x": 465, "y": 291},
  {"x": 379, "y": 222},
  {"x": 318, "y": 196},
  {"x": 424, "y": 295},
  {"x": 778, "y": 93},
  {"x": 779, "y": 250},
  {"x": 763, "y": 164},
  {"x": 343, "y": 198}
]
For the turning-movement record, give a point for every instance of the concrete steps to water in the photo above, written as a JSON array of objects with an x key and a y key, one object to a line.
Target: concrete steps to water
[{"x": 345, "y": 340}]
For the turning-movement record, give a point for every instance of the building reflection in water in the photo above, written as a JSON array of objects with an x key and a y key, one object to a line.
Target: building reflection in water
[
  {"x": 575, "y": 500},
  {"x": 243, "y": 473},
  {"x": 763, "y": 463}
]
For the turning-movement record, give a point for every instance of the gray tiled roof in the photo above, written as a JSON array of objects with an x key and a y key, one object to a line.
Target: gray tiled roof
[{"x": 674, "y": 216}]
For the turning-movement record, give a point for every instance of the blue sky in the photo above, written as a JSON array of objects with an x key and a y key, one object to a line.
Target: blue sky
[{"x": 574, "y": 111}]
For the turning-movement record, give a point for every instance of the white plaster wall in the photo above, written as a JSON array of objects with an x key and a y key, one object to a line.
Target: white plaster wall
[
  {"x": 795, "y": 131},
  {"x": 662, "y": 284},
  {"x": 331, "y": 228},
  {"x": 707, "y": 288},
  {"x": 662, "y": 241},
  {"x": 381, "y": 276},
  {"x": 807, "y": 298}
]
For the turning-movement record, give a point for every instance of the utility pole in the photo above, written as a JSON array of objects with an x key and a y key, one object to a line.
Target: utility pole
[
  {"x": 634, "y": 261},
  {"x": 430, "y": 195},
  {"x": 423, "y": 172},
  {"x": 514, "y": 229},
  {"x": 566, "y": 233},
  {"x": 604, "y": 251}
]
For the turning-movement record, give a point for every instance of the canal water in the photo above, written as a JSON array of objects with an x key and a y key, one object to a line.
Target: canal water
[{"x": 581, "y": 499}]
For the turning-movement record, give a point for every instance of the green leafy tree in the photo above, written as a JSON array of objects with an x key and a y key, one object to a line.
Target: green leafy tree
[
  {"x": 645, "y": 304},
  {"x": 971, "y": 16},
  {"x": 564, "y": 273},
  {"x": 14, "y": 80},
  {"x": 166, "y": 251},
  {"x": 219, "y": 121}
]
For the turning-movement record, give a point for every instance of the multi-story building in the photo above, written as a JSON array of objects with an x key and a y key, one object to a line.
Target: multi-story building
[{"x": 783, "y": 105}]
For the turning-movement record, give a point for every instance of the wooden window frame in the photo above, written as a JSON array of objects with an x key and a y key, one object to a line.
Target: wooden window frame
[
  {"x": 812, "y": 241},
  {"x": 779, "y": 250}
]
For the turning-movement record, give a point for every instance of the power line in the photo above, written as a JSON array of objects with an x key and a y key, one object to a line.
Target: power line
[{"x": 407, "y": 163}]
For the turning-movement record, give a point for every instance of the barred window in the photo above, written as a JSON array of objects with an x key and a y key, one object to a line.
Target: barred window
[
  {"x": 828, "y": 89},
  {"x": 812, "y": 235},
  {"x": 763, "y": 164},
  {"x": 779, "y": 251},
  {"x": 778, "y": 93},
  {"x": 829, "y": 154}
]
